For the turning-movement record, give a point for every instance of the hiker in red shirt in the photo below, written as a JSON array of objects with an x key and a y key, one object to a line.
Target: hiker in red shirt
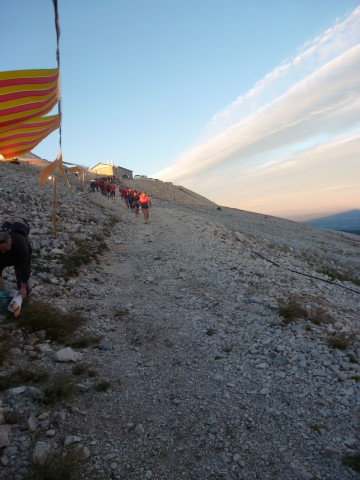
[
  {"x": 122, "y": 193},
  {"x": 145, "y": 203},
  {"x": 112, "y": 191}
]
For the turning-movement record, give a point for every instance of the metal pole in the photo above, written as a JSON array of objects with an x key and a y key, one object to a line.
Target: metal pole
[{"x": 54, "y": 206}]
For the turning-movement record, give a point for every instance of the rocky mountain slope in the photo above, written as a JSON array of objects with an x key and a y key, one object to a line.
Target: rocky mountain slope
[{"x": 214, "y": 343}]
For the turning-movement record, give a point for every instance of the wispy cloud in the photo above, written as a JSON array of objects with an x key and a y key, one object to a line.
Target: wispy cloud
[
  {"x": 289, "y": 116},
  {"x": 316, "y": 178}
]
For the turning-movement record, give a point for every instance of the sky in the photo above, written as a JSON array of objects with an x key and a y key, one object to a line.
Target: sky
[{"x": 253, "y": 104}]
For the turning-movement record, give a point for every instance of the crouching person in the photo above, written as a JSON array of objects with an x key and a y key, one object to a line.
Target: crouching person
[{"x": 15, "y": 250}]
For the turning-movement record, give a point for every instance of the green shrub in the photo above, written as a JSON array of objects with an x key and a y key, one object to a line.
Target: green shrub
[
  {"x": 79, "y": 369},
  {"x": 62, "y": 387},
  {"x": 59, "y": 326},
  {"x": 21, "y": 376},
  {"x": 87, "y": 251},
  {"x": 352, "y": 461},
  {"x": 102, "y": 386},
  {"x": 84, "y": 342},
  {"x": 56, "y": 467},
  {"x": 82, "y": 369},
  {"x": 335, "y": 275}
]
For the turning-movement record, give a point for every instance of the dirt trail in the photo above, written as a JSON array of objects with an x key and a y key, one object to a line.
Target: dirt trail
[{"x": 149, "y": 270}]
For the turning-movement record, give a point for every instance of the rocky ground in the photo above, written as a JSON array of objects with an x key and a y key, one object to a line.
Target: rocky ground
[{"x": 201, "y": 376}]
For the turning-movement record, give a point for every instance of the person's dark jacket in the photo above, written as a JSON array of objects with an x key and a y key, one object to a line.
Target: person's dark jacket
[{"x": 18, "y": 256}]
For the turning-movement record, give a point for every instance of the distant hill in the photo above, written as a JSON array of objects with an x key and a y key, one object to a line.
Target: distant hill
[{"x": 345, "y": 222}]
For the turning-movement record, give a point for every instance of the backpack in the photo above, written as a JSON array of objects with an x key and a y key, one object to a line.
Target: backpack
[{"x": 16, "y": 225}]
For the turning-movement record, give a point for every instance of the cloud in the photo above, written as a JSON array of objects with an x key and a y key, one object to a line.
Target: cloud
[
  {"x": 325, "y": 177},
  {"x": 317, "y": 100},
  {"x": 319, "y": 104},
  {"x": 314, "y": 53}
]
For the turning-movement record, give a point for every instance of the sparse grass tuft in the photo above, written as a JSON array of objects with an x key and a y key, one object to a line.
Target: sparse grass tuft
[
  {"x": 79, "y": 369},
  {"x": 341, "y": 340},
  {"x": 320, "y": 316},
  {"x": 82, "y": 369},
  {"x": 210, "y": 332},
  {"x": 335, "y": 275},
  {"x": 21, "y": 377},
  {"x": 226, "y": 349},
  {"x": 71, "y": 264},
  {"x": 59, "y": 326},
  {"x": 352, "y": 461},
  {"x": 7, "y": 338},
  {"x": 86, "y": 251},
  {"x": 84, "y": 342},
  {"x": 56, "y": 467},
  {"x": 121, "y": 314},
  {"x": 40, "y": 267},
  {"x": 317, "y": 427},
  {"x": 4, "y": 351},
  {"x": 352, "y": 358},
  {"x": 113, "y": 220},
  {"x": 102, "y": 386},
  {"x": 291, "y": 309},
  {"x": 62, "y": 387}
]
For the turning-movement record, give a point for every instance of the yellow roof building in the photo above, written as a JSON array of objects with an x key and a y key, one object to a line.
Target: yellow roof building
[{"x": 110, "y": 170}]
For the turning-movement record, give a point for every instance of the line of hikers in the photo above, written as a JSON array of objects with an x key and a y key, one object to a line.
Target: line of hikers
[
  {"x": 135, "y": 200},
  {"x": 104, "y": 185}
]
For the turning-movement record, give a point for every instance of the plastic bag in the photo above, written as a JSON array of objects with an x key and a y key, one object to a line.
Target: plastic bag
[{"x": 15, "y": 305}]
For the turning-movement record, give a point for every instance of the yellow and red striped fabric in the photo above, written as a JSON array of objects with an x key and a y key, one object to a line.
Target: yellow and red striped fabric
[
  {"x": 23, "y": 137},
  {"x": 26, "y": 96}
]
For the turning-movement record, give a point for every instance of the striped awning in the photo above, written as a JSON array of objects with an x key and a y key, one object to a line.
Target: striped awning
[{"x": 26, "y": 96}]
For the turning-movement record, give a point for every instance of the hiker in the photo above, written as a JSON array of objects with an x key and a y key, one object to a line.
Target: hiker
[
  {"x": 15, "y": 250},
  {"x": 145, "y": 203},
  {"x": 129, "y": 198},
  {"x": 135, "y": 203},
  {"x": 112, "y": 191},
  {"x": 122, "y": 192}
]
